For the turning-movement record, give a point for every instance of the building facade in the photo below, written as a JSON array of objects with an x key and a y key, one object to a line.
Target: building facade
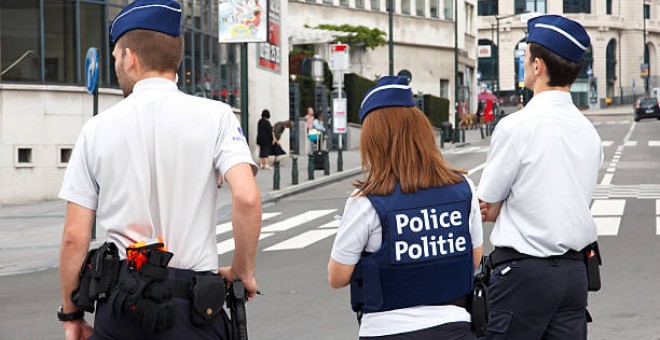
[
  {"x": 622, "y": 62},
  {"x": 423, "y": 36},
  {"x": 43, "y": 102}
]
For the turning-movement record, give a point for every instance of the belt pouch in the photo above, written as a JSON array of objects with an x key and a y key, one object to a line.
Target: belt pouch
[
  {"x": 592, "y": 261},
  {"x": 207, "y": 298}
]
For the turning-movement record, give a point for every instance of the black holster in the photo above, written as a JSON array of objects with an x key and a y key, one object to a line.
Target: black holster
[
  {"x": 207, "y": 298},
  {"x": 143, "y": 295},
  {"x": 236, "y": 298},
  {"x": 478, "y": 302},
  {"x": 593, "y": 261},
  {"x": 98, "y": 276}
]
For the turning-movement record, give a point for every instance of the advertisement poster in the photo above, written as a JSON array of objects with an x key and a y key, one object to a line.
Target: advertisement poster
[
  {"x": 270, "y": 52},
  {"x": 242, "y": 21}
]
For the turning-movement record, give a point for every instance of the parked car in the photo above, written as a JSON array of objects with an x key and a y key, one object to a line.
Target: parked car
[{"x": 647, "y": 107}]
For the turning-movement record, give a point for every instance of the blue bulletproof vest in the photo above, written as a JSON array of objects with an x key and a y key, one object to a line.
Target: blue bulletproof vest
[{"x": 426, "y": 252}]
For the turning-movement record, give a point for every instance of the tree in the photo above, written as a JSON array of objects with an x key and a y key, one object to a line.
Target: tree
[{"x": 362, "y": 35}]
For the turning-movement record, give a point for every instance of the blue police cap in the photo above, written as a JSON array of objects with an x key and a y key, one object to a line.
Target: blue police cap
[
  {"x": 153, "y": 15},
  {"x": 389, "y": 91},
  {"x": 560, "y": 35}
]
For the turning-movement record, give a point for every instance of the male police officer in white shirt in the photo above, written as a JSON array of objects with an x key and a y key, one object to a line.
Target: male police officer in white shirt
[
  {"x": 540, "y": 174},
  {"x": 150, "y": 167}
]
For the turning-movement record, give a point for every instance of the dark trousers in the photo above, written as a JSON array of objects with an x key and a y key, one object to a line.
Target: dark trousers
[
  {"x": 122, "y": 327},
  {"x": 448, "y": 331},
  {"x": 538, "y": 299}
]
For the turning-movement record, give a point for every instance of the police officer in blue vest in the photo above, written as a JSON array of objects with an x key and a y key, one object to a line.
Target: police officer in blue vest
[
  {"x": 537, "y": 184},
  {"x": 410, "y": 235}
]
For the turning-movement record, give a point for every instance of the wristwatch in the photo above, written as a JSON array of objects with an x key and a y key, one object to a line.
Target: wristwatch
[{"x": 73, "y": 316}]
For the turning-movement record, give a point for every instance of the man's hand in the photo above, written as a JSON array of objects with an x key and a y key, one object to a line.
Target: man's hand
[
  {"x": 489, "y": 211},
  {"x": 250, "y": 283},
  {"x": 77, "y": 330}
]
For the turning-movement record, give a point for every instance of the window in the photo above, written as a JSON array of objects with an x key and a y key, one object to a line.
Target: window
[
  {"x": 91, "y": 33},
  {"x": 487, "y": 53},
  {"x": 359, "y": 3},
  {"x": 577, "y": 6},
  {"x": 19, "y": 38},
  {"x": 60, "y": 42},
  {"x": 444, "y": 88},
  {"x": 375, "y": 5},
  {"x": 449, "y": 9},
  {"x": 64, "y": 155},
  {"x": 405, "y": 7},
  {"x": 419, "y": 8},
  {"x": 327, "y": 2},
  {"x": 528, "y": 6},
  {"x": 647, "y": 11},
  {"x": 608, "y": 7},
  {"x": 487, "y": 7},
  {"x": 343, "y": 3},
  {"x": 23, "y": 157},
  {"x": 434, "y": 8}
]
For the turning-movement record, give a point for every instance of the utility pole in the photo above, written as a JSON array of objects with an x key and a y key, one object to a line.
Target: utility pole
[
  {"x": 390, "y": 14},
  {"x": 456, "y": 132},
  {"x": 645, "y": 60}
]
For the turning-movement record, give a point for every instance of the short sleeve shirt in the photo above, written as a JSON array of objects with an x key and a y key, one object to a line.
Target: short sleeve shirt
[
  {"x": 149, "y": 167},
  {"x": 360, "y": 230},
  {"x": 543, "y": 163}
]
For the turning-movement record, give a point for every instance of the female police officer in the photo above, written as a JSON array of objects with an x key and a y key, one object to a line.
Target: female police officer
[{"x": 411, "y": 232}]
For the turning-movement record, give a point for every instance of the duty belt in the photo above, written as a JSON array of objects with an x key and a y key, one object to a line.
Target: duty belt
[{"x": 501, "y": 255}]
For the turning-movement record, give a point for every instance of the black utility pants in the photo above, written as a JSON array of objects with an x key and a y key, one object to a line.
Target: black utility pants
[{"x": 538, "y": 299}]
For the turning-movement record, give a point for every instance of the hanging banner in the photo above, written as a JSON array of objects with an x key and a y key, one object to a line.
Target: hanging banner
[
  {"x": 242, "y": 21},
  {"x": 270, "y": 52}
]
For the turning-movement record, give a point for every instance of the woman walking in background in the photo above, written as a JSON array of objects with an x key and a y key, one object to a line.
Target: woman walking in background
[{"x": 264, "y": 139}]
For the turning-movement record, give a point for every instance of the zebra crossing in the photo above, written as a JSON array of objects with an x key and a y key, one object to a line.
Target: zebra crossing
[
  {"x": 607, "y": 212},
  {"x": 630, "y": 143}
]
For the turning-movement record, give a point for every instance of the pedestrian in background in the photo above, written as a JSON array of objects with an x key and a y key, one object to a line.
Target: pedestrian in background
[
  {"x": 399, "y": 290},
  {"x": 278, "y": 130},
  {"x": 537, "y": 185},
  {"x": 140, "y": 172},
  {"x": 309, "y": 118},
  {"x": 265, "y": 139}
]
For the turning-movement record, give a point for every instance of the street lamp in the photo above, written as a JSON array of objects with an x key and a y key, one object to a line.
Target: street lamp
[{"x": 390, "y": 18}]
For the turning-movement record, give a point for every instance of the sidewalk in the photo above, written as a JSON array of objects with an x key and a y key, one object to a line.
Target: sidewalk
[
  {"x": 610, "y": 110},
  {"x": 30, "y": 234}
]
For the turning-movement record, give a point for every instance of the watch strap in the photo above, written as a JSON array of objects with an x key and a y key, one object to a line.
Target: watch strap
[{"x": 73, "y": 316}]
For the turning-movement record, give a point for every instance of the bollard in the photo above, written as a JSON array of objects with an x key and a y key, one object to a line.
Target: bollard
[
  {"x": 276, "y": 175},
  {"x": 310, "y": 167},
  {"x": 481, "y": 130},
  {"x": 294, "y": 170},
  {"x": 462, "y": 135},
  {"x": 442, "y": 139},
  {"x": 326, "y": 163},
  {"x": 340, "y": 161}
]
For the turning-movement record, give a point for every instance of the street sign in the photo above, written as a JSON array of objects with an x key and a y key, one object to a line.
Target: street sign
[
  {"x": 339, "y": 57},
  {"x": 91, "y": 70},
  {"x": 339, "y": 115}
]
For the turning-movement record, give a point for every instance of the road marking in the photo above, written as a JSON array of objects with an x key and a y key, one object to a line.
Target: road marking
[
  {"x": 303, "y": 240},
  {"x": 476, "y": 169},
  {"x": 607, "y": 226},
  {"x": 657, "y": 217},
  {"x": 297, "y": 220},
  {"x": 228, "y": 245},
  {"x": 608, "y": 207},
  {"x": 607, "y": 179},
  {"x": 611, "y": 169},
  {"x": 630, "y": 143},
  {"x": 225, "y": 227},
  {"x": 333, "y": 224},
  {"x": 607, "y": 143},
  {"x": 654, "y": 143}
]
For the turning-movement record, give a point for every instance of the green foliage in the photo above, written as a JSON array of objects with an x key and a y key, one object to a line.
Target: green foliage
[
  {"x": 364, "y": 36},
  {"x": 436, "y": 109},
  {"x": 356, "y": 87}
]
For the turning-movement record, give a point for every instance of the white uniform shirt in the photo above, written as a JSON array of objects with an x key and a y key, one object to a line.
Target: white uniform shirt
[
  {"x": 149, "y": 167},
  {"x": 543, "y": 162},
  {"x": 360, "y": 230}
]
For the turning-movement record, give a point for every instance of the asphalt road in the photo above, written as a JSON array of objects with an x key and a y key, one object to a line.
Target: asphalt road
[{"x": 291, "y": 266}]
